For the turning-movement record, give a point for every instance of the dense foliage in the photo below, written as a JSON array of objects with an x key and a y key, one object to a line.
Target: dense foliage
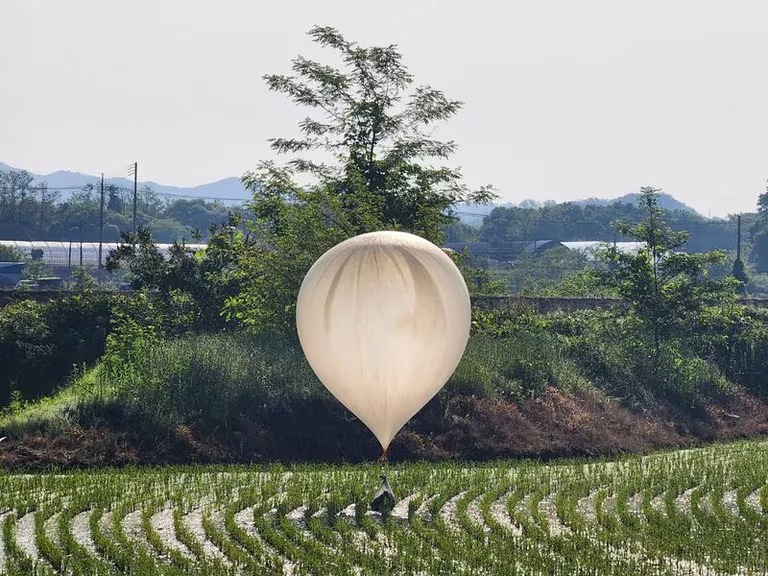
[
  {"x": 10, "y": 254},
  {"x": 759, "y": 234},
  {"x": 376, "y": 126},
  {"x": 41, "y": 343},
  {"x": 507, "y": 227}
]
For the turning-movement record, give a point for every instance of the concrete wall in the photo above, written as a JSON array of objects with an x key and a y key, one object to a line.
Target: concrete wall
[{"x": 543, "y": 304}]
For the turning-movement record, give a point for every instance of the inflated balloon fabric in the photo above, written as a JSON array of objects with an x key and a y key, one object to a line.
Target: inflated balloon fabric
[{"x": 384, "y": 319}]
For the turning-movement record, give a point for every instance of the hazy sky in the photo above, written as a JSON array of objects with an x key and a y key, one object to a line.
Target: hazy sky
[{"x": 564, "y": 99}]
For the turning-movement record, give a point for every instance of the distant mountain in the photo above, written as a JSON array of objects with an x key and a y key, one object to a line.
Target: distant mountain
[
  {"x": 228, "y": 190},
  {"x": 473, "y": 214},
  {"x": 231, "y": 190},
  {"x": 665, "y": 201}
]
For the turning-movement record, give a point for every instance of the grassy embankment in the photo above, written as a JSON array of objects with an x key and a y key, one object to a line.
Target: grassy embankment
[{"x": 549, "y": 388}]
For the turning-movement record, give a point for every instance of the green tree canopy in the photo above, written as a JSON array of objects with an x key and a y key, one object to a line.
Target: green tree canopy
[
  {"x": 380, "y": 170},
  {"x": 375, "y": 125},
  {"x": 759, "y": 234},
  {"x": 10, "y": 254}
]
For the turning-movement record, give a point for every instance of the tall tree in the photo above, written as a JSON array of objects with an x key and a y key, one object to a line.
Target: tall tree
[
  {"x": 47, "y": 206},
  {"x": 374, "y": 166},
  {"x": 665, "y": 287},
  {"x": 15, "y": 187},
  {"x": 759, "y": 234},
  {"x": 378, "y": 134}
]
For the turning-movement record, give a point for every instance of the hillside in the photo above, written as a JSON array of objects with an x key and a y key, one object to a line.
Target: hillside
[{"x": 666, "y": 201}]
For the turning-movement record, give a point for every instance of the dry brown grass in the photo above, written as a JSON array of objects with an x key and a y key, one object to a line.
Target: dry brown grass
[{"x": 553, "y": 425}]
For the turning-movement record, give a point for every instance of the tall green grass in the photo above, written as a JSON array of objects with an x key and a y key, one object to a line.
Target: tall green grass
[
  {"x": 216, "y": 379},
  {"x": 212, "y": 379},
  {"x": 229, "y": 380}
]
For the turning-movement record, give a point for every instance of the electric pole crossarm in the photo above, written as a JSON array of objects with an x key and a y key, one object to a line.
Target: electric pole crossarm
[{"x": 134, "y": 169}]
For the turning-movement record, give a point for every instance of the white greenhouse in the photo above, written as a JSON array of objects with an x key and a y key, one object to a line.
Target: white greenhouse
[{"x": 68, "y": 253}]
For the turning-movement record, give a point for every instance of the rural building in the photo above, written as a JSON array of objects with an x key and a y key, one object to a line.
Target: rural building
[{"x": 10, "y": 273}]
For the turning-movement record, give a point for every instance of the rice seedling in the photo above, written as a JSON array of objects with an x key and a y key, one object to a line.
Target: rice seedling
[{"x": 701, "y": 511}]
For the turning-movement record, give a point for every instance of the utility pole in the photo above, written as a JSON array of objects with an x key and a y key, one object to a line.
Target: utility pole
[
  {"x": 135, "y": 170},
  {"x": 101, "y": 218},
  {"x": 738, "y": 238}
]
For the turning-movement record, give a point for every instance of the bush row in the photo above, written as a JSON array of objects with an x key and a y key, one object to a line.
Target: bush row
[{"x": 513, "y": 354}]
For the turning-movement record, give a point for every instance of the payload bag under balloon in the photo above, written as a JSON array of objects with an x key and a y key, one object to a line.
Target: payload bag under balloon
[{"x": 383, "y": 319}]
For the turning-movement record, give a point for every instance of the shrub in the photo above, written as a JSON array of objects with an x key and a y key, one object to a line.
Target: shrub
[
  {"x": 40, "y": 343},
  {"x": 735, "y": 338},
  {"x": 209, "y": 380},
  {"x": 519, "y": 366},
  {"x": 614, "y": 358},
  {"x": 10, "y": 254}
]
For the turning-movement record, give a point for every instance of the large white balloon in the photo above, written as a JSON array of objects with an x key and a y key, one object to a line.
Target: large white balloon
[{"x": 384, "y": 319}]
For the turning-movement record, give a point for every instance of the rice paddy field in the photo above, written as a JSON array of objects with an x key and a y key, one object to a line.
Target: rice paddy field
[{"x": 701, "y": 511}]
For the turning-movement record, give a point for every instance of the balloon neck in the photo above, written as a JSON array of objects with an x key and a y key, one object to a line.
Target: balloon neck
[{"x": 383, "y": 457}]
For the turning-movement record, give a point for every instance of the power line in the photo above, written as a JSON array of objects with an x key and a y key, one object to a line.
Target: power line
[{"x": 114, "y": 187}]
